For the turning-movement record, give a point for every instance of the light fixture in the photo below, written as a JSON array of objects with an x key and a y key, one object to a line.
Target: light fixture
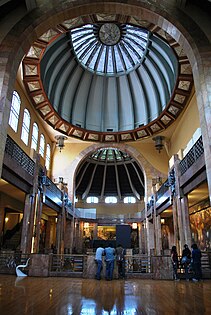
[
  {"x": 60, "y": 141},
  {"x": 134, "y": 226},
  {"x": 158, "y": 142},
  {"x": 6, "y": 219},
  {"x": 86, "y": 225},
  {"x": 162, "y": 221}
]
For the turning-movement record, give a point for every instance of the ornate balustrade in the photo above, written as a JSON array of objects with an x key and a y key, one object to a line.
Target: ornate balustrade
[{"x": 192, "y": 156}]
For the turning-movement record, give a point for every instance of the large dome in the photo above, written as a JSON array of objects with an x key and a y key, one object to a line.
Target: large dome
[{"x": 107, "y": 81}]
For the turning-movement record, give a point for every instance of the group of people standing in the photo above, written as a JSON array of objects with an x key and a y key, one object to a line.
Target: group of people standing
[
  {"x": 111, "y": 255},
  {"x": 190, "y": 261}
]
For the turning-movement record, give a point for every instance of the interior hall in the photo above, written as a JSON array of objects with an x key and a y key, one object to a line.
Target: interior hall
[{"x": 105, "y": 140}]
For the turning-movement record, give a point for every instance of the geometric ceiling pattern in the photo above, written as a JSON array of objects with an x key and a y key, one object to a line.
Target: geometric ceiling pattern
[{"x": 170, "y": 81}]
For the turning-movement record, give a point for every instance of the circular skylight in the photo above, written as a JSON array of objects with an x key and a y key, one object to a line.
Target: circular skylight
[{"x": 110, "y": 48}]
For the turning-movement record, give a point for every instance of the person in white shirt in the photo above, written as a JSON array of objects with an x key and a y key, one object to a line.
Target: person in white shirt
[{"x": 98, "y": 258}]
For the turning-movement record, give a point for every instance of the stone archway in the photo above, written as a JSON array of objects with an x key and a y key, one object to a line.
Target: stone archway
[
  {"x": 167, "y": 17},
  {"x": 148, "y": 170}
]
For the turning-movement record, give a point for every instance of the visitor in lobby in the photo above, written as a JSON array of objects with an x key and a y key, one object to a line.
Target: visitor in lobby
[
  {"x": 186, "y": 259},
  {"x": 99, "y": 260},
  {"x": 174, "y": 260},
  {"x": 196, "y": 263},
  {"x": 120, "y": 259},
  {"x": 109, "y": 258}
]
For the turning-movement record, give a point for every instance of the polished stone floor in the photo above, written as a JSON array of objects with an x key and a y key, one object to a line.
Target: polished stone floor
[{"x": 66, "y": 296}]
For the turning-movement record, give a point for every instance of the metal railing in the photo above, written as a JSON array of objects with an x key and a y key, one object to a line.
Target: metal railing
[
  {"x": 10, "y": 259},
  {"x": 192, "y": 156},
  {"x": 66, "y": 264},
  {"x": 17, "y": 154},
  {"x": 138, "y": 264},
  {"x": 162, "y": 190}
]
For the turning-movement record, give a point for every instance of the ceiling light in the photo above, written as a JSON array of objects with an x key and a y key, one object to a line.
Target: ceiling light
[
  {"x": 158, "y": 142},
  {"x": 60, "y": 141}
]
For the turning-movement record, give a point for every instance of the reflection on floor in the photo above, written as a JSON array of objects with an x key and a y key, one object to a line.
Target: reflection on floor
[{"x": 66, "y": 296}]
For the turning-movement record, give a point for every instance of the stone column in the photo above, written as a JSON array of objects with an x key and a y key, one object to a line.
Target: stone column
[
  {"x": 28, "y": 224},
  {"x": 158, "y": 235},
  {"x": 150, "y": 237},
  {"x": 2, "y": 218},
  {"x": 202, "y": 82},
  {"x": 95, "y": 231},
  {"x": 72, "y": 231},
  {"x": 178, "y": 215},
  {"x": 68, "y": 234},
  {"x": 38, "y": 214},
  {"x": 175, "y": 223},
  {"x": 186, "y": 221},
  {"x": 50, "y": 233},
  {"x": 58, "y": 233}
]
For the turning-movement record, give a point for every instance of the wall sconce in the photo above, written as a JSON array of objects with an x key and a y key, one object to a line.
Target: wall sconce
[
  {"x": 86, "y": 225},
  {"x": 60, "y": 142},
  {"x": 134, "y": 226},
  {"x": 158, "y": 142},
  {"x": 6, "y": 219},
  {"x": 162, "y": 221}
]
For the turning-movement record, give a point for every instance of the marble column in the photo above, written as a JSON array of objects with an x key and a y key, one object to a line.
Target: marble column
[
  {"x": 28, "y": 224},
  {"x": 186, "y": 220},
  {"x": 150, "y": 237},
  {"x": 158, "y": 235}
]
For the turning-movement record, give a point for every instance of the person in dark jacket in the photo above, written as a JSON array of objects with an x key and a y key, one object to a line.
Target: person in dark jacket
[
  {"x": 196, "y": 263},
  {"x": 186, "y": 259},
  {"x": 120, "y": 259},
  {"x": 174, "y": 260}
]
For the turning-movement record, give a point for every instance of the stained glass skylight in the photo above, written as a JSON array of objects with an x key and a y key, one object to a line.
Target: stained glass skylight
[{"x": 110, "y": 48}]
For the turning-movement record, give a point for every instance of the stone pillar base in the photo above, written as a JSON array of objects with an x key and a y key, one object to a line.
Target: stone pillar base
[{"x": 39, "y": 265}]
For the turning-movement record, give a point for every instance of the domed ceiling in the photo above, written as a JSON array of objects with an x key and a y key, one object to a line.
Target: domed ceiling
[
  {"x": 110, "y": 172},
  {"x": 107, "y": 78}
]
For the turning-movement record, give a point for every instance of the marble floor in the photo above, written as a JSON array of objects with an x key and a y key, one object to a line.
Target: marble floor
[{"x": 66, "y": 296}]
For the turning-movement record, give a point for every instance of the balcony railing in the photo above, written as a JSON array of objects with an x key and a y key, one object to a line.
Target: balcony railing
[
  {"x": 64, "y": 264},
  {"x": 162, "y": 190},
  {"x": 17, "y": 154},
  {"x": 192, "y": 156}
]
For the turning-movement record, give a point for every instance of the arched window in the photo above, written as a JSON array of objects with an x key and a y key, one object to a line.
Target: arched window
[
  {"x": 48, "y": 156},
  {"x": 111, "y": 199},
  {"x": 15, "y": 111},
  {"x": 130, "y": 199},
  {"x": 25, "y": 126},
  {"x": 92, "y": 199},
  {"x": 35, "y": 132},
  {"x": 42, "y": 145}
]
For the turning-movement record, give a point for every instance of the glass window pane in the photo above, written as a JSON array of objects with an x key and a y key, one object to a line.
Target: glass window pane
[
  {"x": 48, "y": 156},
  {"x": 35, "y": 132},
  {"x": 25, "y": 126},
  {"x": 15, "y": 111},
  {"x": 42, "y": 145}
]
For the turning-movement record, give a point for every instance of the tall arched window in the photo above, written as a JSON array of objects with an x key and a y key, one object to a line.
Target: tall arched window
[
  {"x": 48, "y": 156},
  {"x": 25, "y": 126},
  {"x": 42, "y": 145},
  {"x": 35, "y": 132},
  {"x": 15, "y": 111}
]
